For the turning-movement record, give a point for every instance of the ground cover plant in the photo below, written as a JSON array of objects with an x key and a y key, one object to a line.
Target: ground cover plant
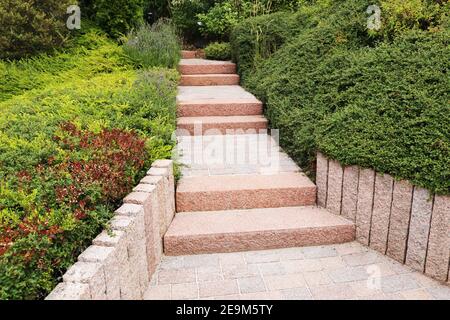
[
  {"x": 77, "y": 130},
  {"x": 374, "y": 98}
]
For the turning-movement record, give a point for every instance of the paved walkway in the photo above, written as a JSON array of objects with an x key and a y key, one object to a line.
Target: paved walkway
[{"x": 344, "y": 271}]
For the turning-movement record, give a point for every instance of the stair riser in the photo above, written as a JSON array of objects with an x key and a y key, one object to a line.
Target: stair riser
[
  {"x": 245, "y": 199},
  {"x": 188, "y": 54},
  {"x": 218, "y": 243},
  {"x": 219, "y": 109},
  {"x": 209, "y": 80},
  {"x": 221, "y": 128},
  {"x": 207, "y": 69}
]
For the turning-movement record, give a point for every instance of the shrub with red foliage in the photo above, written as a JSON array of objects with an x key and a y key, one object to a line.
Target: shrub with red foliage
[{"x": 98, "y": 169}]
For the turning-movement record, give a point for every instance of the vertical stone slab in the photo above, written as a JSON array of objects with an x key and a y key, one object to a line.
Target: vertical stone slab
[
  {"x": 158, "y": 204},
  {"x": 169, "y": 211},
  {"x": 169, "y": 165},
  {"x": 134, "y": 246},
  {"x": 334, "y": 194},
  {"x": 350, "y": 192},
  {"x": 157, "y": 238},
  {"x": 70, "y": 291},
  {"x": 399, "y": 221},
  {"x": 91, "y": 274},
  {"x": 152, "y": 231},
  {"x": 118, "y": 240},
  {"x": 382, "y": 200},
  {"x": 364, "y": 205},
  {"x": 106, "y": 256},
  {"x": 439, "y": 241},
  {"x": 321, "y": 179},
  {"x": 137, "y": 248},
  {"x": 419, "y": 229}
]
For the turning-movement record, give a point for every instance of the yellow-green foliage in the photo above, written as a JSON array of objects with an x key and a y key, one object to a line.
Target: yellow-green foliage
[{"x": 93, "y": 90}]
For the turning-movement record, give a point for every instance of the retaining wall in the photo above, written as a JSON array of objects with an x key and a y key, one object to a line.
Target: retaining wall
[
  {"x": 120, "y": 262},
  {"x": 402, "y": 221}
]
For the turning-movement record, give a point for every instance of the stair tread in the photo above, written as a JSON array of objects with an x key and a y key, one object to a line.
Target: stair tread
[
  {"x": 222, "y": 119},
  {"x": 244, "y": 182},
  {"x": 203, "y": 62},
  {"x": 214, "y": 94},
  {"x": 252, "y": 220},
  {"x": 209, "y": 75}
]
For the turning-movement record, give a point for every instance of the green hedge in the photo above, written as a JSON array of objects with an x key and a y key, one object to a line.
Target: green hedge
[
  {"x": 28, "y": 27},
  {"x": 72, "y": 144},
  {"x": 374, "y": 99},
  {"x": 218, "y": 51}
]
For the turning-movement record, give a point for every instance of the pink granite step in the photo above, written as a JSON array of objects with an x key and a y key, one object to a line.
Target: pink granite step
[
  {"x": 209, "y": 79},
  {"x": 202, "y": 66},
  {"x": 226, "y": 192},
  {"x": 255, "y": 229},
  {"x": 219, "y": 108},
  {"x": 186, "y": 54},
  {"x": 220, "y": 125}
]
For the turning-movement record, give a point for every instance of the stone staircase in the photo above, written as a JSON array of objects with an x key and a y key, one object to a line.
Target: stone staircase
[{"x": 239, "y": 190}]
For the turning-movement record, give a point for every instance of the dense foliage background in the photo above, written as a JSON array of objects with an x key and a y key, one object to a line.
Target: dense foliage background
[
  {"x": 374, "y": 98},
  {"x": 78, "y": 129}
]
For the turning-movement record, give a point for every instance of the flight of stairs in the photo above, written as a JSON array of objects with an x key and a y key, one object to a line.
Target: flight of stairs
[{"x": 226, "y": 207}]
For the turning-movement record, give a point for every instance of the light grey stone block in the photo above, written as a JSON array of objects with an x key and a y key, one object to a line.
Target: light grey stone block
[
  {"x": 399, "y": 221},
  {"x": 334, "y": 196},
  {"x": 70, "y": 291},
  {"x": 322, "y": 179},
  {"x": 381, "y": 212},
  {"x": 419, "y": 229},
  {"x": 364, "y": 206},
  {"x": 107, "y": 257},
  {"x": 92, "y": 274},
  {"x": 439, "y": 241},
  {"x": 350, "y": 192}
]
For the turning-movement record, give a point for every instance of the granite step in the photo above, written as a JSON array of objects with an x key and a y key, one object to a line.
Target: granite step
[
  {"x": 221, "y": 125},
  {"x": 255, "y": 229},
  {"x": 227, "y": 192},
  {"x": 209, "y": 79},
  {"x": 186, "y": 54},
  {"x": 200, "y": 101},
  {"x": 202, "y": 66}
]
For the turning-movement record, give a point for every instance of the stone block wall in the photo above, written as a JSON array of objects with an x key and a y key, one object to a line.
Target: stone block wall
[
  {"x": 402, "y": 221},
  {"x": 120, "y": 262}
]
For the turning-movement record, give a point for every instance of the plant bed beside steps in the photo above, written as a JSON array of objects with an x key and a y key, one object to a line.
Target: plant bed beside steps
[{"x": 121, "y": 261}]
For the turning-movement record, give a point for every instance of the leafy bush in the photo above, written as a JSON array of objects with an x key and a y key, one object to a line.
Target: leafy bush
[
  {"x": 374, "y": 99},
  {"x": 156, "y": 45},
  {"x": 219, "y": 20},
  {"x": 86, "y": 56},
  {"x": 69, "y": 151},
  {"x": 218, "y": 51},
  {"x": 184, "y": 16},
  {"x": 215, "y": 19},
  {"x": 117, "y": 17},
  {"x": 255, "y": 39},
  {"x": 29, "y": 26}
]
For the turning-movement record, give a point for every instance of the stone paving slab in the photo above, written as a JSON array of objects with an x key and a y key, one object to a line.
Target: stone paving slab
[
  {"x": 232, "y": 154},
  {"x": 343, "y": 271},
  {"x": 214, "y": 93}
]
